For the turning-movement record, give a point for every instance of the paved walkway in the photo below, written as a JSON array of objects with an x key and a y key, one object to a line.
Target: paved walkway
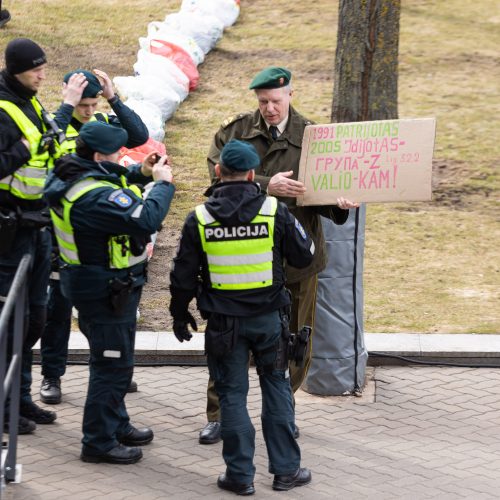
[{"x": 416, "y": 433}]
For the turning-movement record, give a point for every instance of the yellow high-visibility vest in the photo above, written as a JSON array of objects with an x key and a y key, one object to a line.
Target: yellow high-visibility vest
[
  {"x": 27, "y": 181},
  {"x": 239, "y": 257},
  {"x": 119, "y": 253}
]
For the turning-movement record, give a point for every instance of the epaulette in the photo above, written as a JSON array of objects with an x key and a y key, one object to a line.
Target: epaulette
[{"x": 233, "y": 119}]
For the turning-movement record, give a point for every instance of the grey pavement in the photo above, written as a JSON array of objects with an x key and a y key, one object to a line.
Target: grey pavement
[{"x": 417, "y": 432}]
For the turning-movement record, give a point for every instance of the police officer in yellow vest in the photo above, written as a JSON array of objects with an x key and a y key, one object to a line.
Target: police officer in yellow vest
[
  {"x": 102, "y": 226},
  {"x": 29, "y": 142},
  {"x": 82, "y": 90},
  {"x": 235, "y": 245}
]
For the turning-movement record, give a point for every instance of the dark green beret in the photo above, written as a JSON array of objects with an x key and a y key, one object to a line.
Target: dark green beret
[
  {"x": 93, "y": 88},
  {"x": 240, "y": 156},
  {"x": 273, "y": 77},
  {"x": 103, "y": 138}
]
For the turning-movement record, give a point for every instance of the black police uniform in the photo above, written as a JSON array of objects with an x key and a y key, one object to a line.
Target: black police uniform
[
  {"x": 257, "y": 314},
  {"x": 30, "y": 239},
  {"x": 97, "y": 215},
  {"x": 55, "y": 338}
]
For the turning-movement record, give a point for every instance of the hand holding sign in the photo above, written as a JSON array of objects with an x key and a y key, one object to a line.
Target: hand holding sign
[{"x": 346, "y": 204}]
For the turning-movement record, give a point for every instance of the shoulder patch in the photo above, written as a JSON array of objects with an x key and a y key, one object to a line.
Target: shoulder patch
[
  {"x": 120, "y": 198},
  {"x": 232, "y": 119},
  {"x": 300, "y": 229}
]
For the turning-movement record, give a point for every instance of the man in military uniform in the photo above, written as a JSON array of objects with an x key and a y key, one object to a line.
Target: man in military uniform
[
  {"x": 235, "y": 244},
  {"x": 76, "y": 110},
  {"x": 276, "y": 129},
  {"x": 102, "y": 225},
  {"x": 28, "y": 146}
]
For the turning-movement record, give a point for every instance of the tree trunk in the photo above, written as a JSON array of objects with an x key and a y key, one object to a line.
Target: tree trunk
[{"x": 366, "y": 61}]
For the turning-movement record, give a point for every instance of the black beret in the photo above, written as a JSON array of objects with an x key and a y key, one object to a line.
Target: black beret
[
  {"x": 239, "y": 155},
  {"x": 93, "y": 88},
  {"x": 272, "y": 77},
  {"x": 22, "y": 54},
  {"x": 103, "y": 138}
]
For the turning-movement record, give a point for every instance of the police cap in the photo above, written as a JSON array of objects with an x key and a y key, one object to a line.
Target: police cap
[
  {"x": 93, "y": 88},
  {"x": 103, "y": 138},
  {"x": 239, "y": 156},
  {"x": 272, "y": 77}
]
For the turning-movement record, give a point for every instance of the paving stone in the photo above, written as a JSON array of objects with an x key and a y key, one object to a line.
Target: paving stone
[{"x": 420, "y": 432}]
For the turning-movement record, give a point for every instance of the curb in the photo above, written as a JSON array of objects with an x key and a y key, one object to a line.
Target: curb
[{"x": 162, "y": 348}]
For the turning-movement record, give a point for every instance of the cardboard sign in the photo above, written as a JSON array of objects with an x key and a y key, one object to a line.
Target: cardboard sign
[{"x": 386, "y": 160}]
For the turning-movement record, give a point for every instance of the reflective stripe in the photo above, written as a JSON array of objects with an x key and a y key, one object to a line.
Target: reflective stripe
[
  {"x": 77, "y": 190},
  {"x": 69, "y": 254},
  {"x": 54, "y": 275},
  {"x": 242, "y": 278},
  {"x": 269, "y": 206},
  {"x": 207, "y": 217},
  {"x": 62, "y": 235},
  {"x": 28, "y": 188},
  {"x": 137, "y": 212},
  {"x": 236, "y": 260}
]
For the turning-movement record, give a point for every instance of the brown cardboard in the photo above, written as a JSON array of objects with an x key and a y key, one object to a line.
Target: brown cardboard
[{"x": 378, "y": 161}]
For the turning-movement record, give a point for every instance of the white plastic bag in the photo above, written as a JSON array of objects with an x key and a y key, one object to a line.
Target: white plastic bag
[
  {"x": 159, "y": 31},
  {"x": 204, "y": 28},
  {"x": 227, "y": 11},
  {"x": 149, "y": 88},
  {"x": 151, "y": 116},
  {"x": 164, "y": 69}
]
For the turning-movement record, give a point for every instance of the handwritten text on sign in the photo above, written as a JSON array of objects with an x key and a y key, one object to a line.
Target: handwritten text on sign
[{"x": 387, "y": 160}]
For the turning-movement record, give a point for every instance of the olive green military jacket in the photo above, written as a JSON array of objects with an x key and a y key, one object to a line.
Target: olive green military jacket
[{"x": 281, "y": 155}]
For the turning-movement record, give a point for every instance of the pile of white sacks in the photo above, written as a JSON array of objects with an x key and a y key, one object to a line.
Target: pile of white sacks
[{"x": 166, "y": 68}]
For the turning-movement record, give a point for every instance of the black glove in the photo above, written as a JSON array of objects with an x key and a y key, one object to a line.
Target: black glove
[{"x": 181, "y": 330}]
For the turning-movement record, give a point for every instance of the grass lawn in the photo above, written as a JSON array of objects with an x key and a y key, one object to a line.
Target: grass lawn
[{"x": 429, "y": 267}]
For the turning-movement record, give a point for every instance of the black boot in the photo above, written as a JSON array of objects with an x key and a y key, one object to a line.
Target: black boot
[
  {"x": 225, "y": 483},
  {"x": 33, "y": 412},
  {"x": 283, "y": 483},
  {"x": 50, "y": 391},
  {"x": 118, "y": 455},
  {"x": 24, "y": 426},
  {"x": 210, "y": 434},
  {"x": 137, "y": 437}
]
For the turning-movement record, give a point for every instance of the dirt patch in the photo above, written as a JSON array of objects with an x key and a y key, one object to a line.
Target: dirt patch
[{"x": 449, "y": 186}]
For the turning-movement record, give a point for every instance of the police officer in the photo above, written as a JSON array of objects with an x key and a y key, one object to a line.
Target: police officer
[
  {"x": 102, "y": 227},
  {"x": 28, "y": 146},
  {"x": 79, "y": 107},
  {"x": 235, "y": 244},
  {"x": 276, "y": 129}
]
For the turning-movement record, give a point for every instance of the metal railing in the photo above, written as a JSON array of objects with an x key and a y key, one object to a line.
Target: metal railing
[{"x": 15, "y": 304}]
